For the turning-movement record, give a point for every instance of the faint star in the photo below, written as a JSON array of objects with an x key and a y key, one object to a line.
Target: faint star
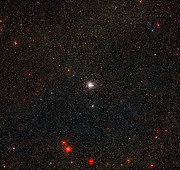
[
  {"x": 107, "y": 164},
  {"x": 158, "y": 25},
  {"x": 157, "y": 130},
  {"x": 4, "y": 166},
  {"x": 13, "y": 148},
  {"x": 128, "y": 160},
  {"x": 92, "y": 106},
  {"x": 74, "y": 74},
  {"x": 152, "y": 165},
  {"x": 15, "y": 43},
  {"x": 37, "y": 91},
  {"x": 40, "y": 79},
  {"x": 156, "y": 137},
  {"x": 165, "y": 130},
  {"x": 24, "y": 99},
  {"x": 29, "y": 74}
]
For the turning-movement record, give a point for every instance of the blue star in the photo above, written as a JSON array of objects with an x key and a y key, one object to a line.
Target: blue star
[{"x": 74, "y": 74}]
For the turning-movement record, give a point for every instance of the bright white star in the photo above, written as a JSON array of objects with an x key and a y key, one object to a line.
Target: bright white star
[{"x": 90, "y": 85}]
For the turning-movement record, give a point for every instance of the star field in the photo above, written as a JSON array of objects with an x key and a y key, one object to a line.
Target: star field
[{"x": 89, "y": 84}]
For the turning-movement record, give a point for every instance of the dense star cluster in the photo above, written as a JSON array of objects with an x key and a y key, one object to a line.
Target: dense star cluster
[{"x": 89, "y": 84}]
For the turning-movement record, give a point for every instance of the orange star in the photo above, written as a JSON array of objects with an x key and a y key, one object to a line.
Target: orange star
[{"x": 68, "y": 149}]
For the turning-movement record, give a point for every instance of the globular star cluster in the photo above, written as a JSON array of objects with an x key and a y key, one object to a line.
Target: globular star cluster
[{"x": 89, "y": 84}]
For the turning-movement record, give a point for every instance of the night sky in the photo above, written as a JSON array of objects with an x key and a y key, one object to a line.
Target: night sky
[{"x": 89, "y": 84}]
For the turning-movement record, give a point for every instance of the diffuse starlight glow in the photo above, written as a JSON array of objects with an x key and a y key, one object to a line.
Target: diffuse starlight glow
[{"x": 101, "y": 77}]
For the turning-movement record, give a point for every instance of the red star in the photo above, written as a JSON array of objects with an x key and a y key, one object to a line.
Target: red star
[
  {"x": 37, "y": 91},
  {"x": 29, "y": 74},
  {"x": 4, "y": 166},
  {"x": 128, "y": 160},
  {"x": 91, "y": 161},
  {"x": 158, "y": 25},
  {"x": 156, "y": 137},
  {"x": 157, "y": 130},
  {"x": 68, "y": 149},
  {"x": 40, "y": 79},
  {"x": 24, "y": 99},
  {"x": 63, "y": 142},
  {"x": 152, "y": 165},
  {"x": 15, "y": 43}
]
